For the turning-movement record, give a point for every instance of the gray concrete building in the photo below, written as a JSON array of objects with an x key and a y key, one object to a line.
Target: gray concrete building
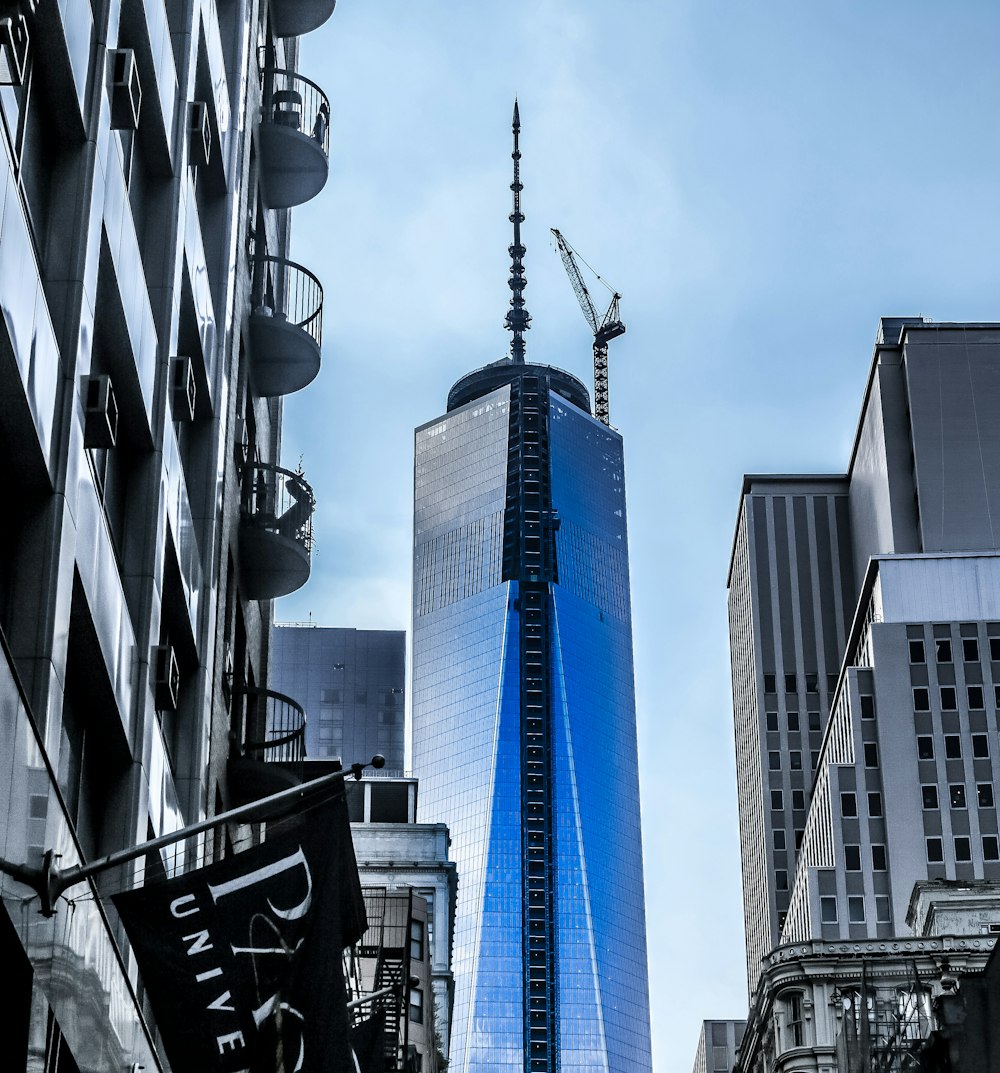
[
  {"x": 150, "y": 322},
  {"x": 821, "y": 621},
  {"x": 352, "y": 685},
  {"x": 718, "y": 1043}
]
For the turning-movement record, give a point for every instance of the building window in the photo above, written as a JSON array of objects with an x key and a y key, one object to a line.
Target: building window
[
  {"x": 793, "y": 721},
  {"x": 930, "y": 796},
  {"x": 921, "y": 699},
  {"x": 793, "y": 1022},
  {"x": 867, "y": 706},
  {"x": 770, "y": 683},
  {"x": 795, "y": 760},
  {"x": 798, "y": 839},
  {"x": 812, "y": 682},
  {"x": 949, "y": 699},
  {"x": 925, "y": 747},
  {"x": 417, "y": 940},
  {"x": 980, "y": 745},
  {"x": 828, "y": 910},
  {"x": 774, "y": 760},
  {"x": 852, "y": 858},
  {"x": 416, "y": 1010},
  {"x": 831, "y": 684},
  {"x": 984, "y": 794},
  {"x": 720, "y": 1059},
  {"x": 848, "y": 804},
  {"x": 952, "y": 746},
  {"x": 874, "y": 803},
  {"x": 942, "y": 649},
  {"x": 991, "y": 850},
  {"x": 778, "y": 838},
  {"x": 878, "y": 858},
  {"x": 976, "y": 699},
  {"x": 970, "y": 650},
  {"x": 814, "y": 759},
  {"x": 882, "y": 910},
  {"x": 963, "y": 848},
  {"x": 814, "y": 723},
  {"x": 331, "y": 696},
  {"x": 791, "y": 683},
  {"x": 871, "y": 754},
  {"x": 798, "y": 799},
  {"x": 917, "y": 652},
  {"x": 771, "y": 719},
  {"x": 935, "y": 853},
  {"x": 777, "y": 801},
  {"x": 996, "y": 695},
  {"x": 781, "y": 879},
  {"x": 856, "y": 910},
  {"x": 956, "y": 793},
  {"x": 995, "y": 649}
]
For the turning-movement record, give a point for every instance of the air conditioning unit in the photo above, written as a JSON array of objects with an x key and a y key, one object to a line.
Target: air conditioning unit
[
  {"x": 166, "y": 677},
  {"x": 199, "y": 135},
  {"x": 100, "y": 412},
  {"x": 183, "y": 389},
  {"x": 14, "y": 41},
  {"x": 126, "y": 93}
]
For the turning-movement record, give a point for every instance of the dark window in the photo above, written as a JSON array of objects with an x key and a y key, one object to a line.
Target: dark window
[
  {"x": 984, "y": 794},
  {"x": 814, "y": 758},
  {"x": 882, "y": 910},
  {"x": 772, "y": 720},
  {"x": 795, "y": 760},
  {"x": 774, "y": 760},
  {"x": 812, "y": 683},
  {"x": 791, "y": 683},
  {"x": 770, "y": 684},
  {"x": 417, "y": 940},
  {"x": 777, "y": 802},
  {"x": 921, "y": 699},
  {"x": 956, "y": 793},
  {"x": 996, "y": 696},
  {"x": 779, "y": 838},
  {"x": 925, "y": 747},
  {"x": 874, "y": 803},
  {"x": 867, "y": 706},
  {"x": 970, "y": 650},
  {"x": 952, "y": 746},
  {"x": 798, "y": 799},
  {"x": 929, "y": 795},
  {"x": 980, "y": 745},
  {"x": 878, "y": 858},
  {"x": 942, "y": 649},
  {"x": 331, "y": 696},
  {"x": 934, "y": 851},
  {"x": 963, "y": 848},
  {"x": 852, "y": 858},
  {"x": 917, "y": 652},
  {"x": 976, "y": 699},
  {"x": 793, "y": 720},
  {"x": 949, "y": 699},
  {"x": 856, "y": 910},
  {"x": 828, "y": 910},
  {"x": 991, "y": 851},
  {"x": 781, "y": 879},
  {"x": 848, "y": 804},
  {"x": 814, "y": 723},
  {"x": 799, "y": 834},
  {"x": 831, "y": 683},
  {"x": 995, "y": 649},
  {"x": 871, "y": 754},
  {"x": 416, "y": 1011}
]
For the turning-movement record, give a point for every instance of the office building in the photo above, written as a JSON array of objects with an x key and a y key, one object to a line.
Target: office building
[
  {"x": 718, "y": 1042},
  {"x": 524, "y": 713},
  {"x": 351, "y": 683},
  {"x": 865, "y": 641},
  {"x": 151, "y": 322}
]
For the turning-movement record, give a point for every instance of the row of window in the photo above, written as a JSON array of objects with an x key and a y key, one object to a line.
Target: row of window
[
  {"x": 956, "y": 795},
  {"x": 852, "y": 863},
  {"x": 943, "y": 650},
  {"x": 953, "y": 746},
  {"x": 795, "y": 758},
  {"x": 963, "y": 849},
  {"x": 855, "y": 910},
  {"x": 811, "y": 681},
  {"x": 793, "y": 721},
  {"x": 949, "y": 698}
]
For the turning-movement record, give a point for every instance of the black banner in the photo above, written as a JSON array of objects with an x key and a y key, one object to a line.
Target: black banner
[{"x": 242, "y": 959}]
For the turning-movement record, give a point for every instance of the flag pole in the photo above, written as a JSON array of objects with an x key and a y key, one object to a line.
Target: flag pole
[{"x": 50, "y": 883}]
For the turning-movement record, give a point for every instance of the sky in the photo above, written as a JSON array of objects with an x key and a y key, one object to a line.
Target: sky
[{"x": 761, "y": 182}]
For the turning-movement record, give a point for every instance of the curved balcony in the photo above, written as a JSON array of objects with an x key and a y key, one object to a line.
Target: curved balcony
[
  {"x": 275, "y": 531},
  {"x": 286, "y": 327},
  {"x": 270, "y": 758},
  {"x": 292, "y": 18},
  {"x": 294, "y": 139}
]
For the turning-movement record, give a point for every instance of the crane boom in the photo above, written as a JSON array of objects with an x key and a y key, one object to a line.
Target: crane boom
[{"x": 604, "y": 328}]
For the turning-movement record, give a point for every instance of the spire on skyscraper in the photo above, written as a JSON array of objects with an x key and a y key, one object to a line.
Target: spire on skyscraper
[{"x": 518, "y": 319}]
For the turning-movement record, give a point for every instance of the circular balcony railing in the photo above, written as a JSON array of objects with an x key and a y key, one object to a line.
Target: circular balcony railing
[
  {"x": 292, "y": 101},
  {"x": 279, "y": 501},
  {"x": 275, "y": 726},
  {"x": 286, "y": 291}
]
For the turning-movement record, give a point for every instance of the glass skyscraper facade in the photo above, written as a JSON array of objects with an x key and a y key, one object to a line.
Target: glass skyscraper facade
[{"x": 524, "y": 722}]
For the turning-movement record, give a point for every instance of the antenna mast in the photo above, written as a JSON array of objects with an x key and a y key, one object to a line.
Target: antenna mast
[{"x": 518, "y": 319}]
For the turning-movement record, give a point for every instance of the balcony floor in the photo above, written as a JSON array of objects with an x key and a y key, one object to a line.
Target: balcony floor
[
  {"x": 293, "y": 166},
  {"x": 271, "y": 565},
  {"x": 283, "y": 357}
]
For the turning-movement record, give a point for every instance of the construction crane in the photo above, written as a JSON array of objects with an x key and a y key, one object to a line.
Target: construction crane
[{"x": 604, "y": 328}]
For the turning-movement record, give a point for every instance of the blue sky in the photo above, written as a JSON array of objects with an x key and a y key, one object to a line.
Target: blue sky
[{"x": 761, "y": 181}]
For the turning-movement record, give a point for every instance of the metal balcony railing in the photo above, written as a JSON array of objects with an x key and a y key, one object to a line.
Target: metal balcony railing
[
  {"x": 287, "y": 291},
  {"x": 279, "y": 501},
  {"x": 295, "y": 102},
  {"x": 275, "y": 726}
]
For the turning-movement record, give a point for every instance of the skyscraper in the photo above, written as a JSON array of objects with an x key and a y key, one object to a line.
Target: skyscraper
[{"x": 524, "y": 713}]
